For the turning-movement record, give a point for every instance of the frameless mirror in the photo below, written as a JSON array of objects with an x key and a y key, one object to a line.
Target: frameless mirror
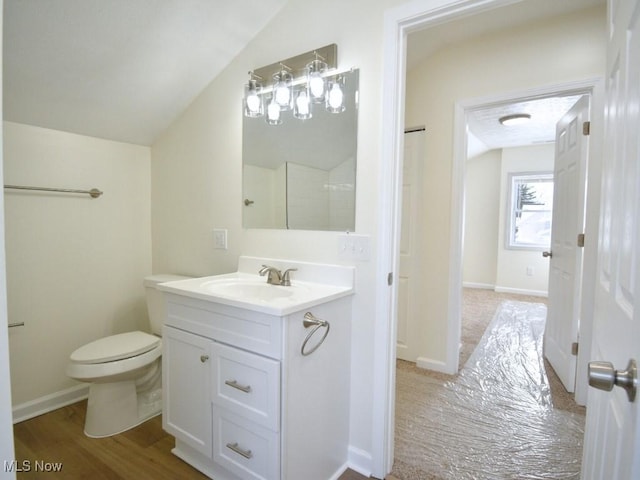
[{"x": 302, "y": 174}]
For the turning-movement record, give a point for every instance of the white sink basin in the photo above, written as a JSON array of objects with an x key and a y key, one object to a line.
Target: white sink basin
[{"x": 251, "y": 291}]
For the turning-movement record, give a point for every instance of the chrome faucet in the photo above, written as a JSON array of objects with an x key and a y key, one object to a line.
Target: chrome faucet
[{"x": 276, "y": 277}]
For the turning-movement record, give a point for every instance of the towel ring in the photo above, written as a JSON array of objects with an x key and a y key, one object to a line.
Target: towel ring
[{"x": 311, "y": 321}]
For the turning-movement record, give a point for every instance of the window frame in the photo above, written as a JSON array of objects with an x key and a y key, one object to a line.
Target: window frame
[{"x": 514, "y": 179}]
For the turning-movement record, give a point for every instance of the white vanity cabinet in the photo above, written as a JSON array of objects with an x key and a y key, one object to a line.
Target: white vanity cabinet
[{"x": 241, "y": 399}]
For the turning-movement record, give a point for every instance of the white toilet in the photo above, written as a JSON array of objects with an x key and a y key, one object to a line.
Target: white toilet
[{"x": 124, "y": 371}]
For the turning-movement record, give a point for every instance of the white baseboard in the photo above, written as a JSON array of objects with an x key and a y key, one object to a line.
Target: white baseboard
[
  {"x": 338, "y": 474},
  {"x": 360, "y": 461},
  {"x": 48, "y": 403},
  {"x": 430, "y": 364},
  {"x": 521, "y": 291},
  {"x": 483, "y": 286}
]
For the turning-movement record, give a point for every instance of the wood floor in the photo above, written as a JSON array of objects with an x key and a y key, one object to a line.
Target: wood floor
[{"x": 56, "y": 440}]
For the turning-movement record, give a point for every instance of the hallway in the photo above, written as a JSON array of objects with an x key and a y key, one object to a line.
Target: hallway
[{"x": 499, "y": 418}]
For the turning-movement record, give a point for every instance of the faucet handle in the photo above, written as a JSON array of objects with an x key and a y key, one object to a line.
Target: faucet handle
[
  {"x": 285, "y": 277},
  {"x": 265, "y": 269}
]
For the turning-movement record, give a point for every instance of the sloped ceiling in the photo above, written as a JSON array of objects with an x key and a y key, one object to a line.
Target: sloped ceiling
[{"x": 119, "y": 69}]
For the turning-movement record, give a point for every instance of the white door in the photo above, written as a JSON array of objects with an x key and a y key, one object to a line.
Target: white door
[
  {"x": 565, "y": 270},
  {"x": 612, "y": 432},
  {"x": 408, "y": 297}
]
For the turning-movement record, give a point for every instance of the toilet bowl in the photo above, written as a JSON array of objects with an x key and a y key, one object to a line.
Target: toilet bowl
[{"x": 124, "y": 371}]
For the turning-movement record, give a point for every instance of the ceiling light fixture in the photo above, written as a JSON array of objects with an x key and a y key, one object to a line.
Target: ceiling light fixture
[
  {"x": 515, "y": 119},
  {"x": 318, "y": 83}
]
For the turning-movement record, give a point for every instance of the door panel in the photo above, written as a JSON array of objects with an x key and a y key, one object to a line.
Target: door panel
[
  {"x": 612, "y": 432},
  {"x": 565, "y": 270}
]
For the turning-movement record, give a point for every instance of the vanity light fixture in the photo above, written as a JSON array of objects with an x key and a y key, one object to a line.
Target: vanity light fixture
[
  {"x": 317, "y": 83},
  {"x": 515, "y": 119}
]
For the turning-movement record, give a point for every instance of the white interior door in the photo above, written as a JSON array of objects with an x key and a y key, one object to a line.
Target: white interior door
[
  {"x": 408, "y": 312},
  {"x": 565, "y": 270},
  {"x": 612, "y": 433}
]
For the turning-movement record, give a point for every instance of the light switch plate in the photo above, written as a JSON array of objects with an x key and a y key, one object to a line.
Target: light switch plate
[
  {"x": 220, "y": 238},
  {"x": 354, "y": 247}
]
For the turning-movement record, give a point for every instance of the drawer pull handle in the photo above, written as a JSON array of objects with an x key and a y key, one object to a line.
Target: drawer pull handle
[
  {"x": 204, "y": 358},
  {"x": 239, "y": 451},
  {"x": 237, "y": 386}
]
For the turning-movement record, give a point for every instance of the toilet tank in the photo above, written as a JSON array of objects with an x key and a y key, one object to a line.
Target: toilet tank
[{"x": 155, "y": 299}]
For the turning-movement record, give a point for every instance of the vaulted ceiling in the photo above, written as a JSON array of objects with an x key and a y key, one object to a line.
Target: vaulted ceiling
[{"x": 119, "y": 69}]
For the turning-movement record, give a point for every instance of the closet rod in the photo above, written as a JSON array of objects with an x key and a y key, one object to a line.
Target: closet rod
[{"x": 94, "y": 192}]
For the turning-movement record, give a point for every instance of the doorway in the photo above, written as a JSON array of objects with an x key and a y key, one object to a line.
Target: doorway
[{"x": 405, "y": 20}]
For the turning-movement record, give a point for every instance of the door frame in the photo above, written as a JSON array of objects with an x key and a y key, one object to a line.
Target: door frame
[{"x": 398, "y": 23}]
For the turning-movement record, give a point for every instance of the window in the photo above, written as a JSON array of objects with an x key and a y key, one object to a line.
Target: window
[{"x": 530, "y": 207}]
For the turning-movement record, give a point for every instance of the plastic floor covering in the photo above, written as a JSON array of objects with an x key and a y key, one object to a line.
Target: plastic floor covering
[{"x": 495, "y": 420}]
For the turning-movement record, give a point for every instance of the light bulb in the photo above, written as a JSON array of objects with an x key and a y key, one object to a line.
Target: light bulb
[
  {"x": 253, "y": 106},
  {"x": 316, "y": 86},
  {"x": 282, "y": 89},
  {"x": 315, "y": 79},
  {"x": 273, "y": 113},
  {"x": 335, "y": 98},
  {"x": 302, "y": 109},
  {"x": 253, "y": 102},
  {"x": 282, "y": 94}
]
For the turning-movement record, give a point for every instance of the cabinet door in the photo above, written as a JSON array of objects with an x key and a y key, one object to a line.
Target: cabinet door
[{"x": 186, "y": 373}]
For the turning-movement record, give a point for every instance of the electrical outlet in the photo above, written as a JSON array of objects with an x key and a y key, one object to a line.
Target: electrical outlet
[{"x": 220, "y": 238}]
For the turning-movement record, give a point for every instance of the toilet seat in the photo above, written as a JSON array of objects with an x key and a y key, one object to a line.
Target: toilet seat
[
  {"x": 115, "y": 347},
  {"x": 114, "y": 358}
]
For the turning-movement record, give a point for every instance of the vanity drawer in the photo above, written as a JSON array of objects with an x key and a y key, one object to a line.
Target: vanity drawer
[
  {"x": 253, "y": 331},
  {"x": 246, "y": 449},
  {"x": 247, "y": 384}
]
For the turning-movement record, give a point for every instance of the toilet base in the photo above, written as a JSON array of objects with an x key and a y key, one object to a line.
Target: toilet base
[{"x": 115, "y": 407}]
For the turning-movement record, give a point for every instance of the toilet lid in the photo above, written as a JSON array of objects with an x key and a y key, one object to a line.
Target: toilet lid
[{"x": 115, "y": 347}]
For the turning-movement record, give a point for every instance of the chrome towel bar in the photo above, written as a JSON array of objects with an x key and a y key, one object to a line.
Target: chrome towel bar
[{"x": 94, "y": 192}]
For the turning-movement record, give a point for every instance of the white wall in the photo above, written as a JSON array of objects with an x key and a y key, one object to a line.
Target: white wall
[
  {"x": 553, "y": 51},
  {"x": 74, "y": 264},
  {"x": 487, "y": 263},
  {"x": 511, "y": 275},
  {"x": 481, "y": 219}
]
